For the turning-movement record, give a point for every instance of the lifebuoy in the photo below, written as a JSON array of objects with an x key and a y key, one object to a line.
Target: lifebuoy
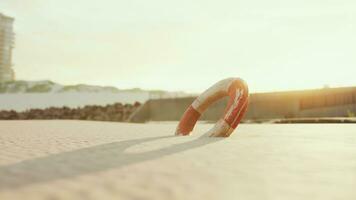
[{"x": 236, "y": 89}]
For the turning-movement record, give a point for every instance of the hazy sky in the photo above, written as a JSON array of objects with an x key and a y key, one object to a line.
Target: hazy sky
[{"x": 186, "y": 44}]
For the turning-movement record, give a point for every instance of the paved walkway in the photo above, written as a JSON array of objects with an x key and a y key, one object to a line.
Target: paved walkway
[{"x": 100, "y": 160}]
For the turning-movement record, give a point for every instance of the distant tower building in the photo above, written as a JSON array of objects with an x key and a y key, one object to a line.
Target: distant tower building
[{"x": 6, "y": 46}]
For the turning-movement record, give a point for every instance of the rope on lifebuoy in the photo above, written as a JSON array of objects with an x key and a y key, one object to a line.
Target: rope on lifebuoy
[{"x": 236, "y": 89}]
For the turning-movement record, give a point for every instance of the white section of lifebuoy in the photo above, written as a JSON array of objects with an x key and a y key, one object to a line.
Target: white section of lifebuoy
[{"x": 235, "y": 88}]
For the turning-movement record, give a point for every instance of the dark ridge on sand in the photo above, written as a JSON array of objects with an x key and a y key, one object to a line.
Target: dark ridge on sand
[{"x": 316, "y": 120}]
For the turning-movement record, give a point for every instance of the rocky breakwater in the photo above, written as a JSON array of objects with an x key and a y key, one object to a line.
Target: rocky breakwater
[{"x": 112, "y": 112}]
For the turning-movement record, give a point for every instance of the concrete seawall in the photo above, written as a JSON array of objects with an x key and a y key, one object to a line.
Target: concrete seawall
[{"x": 329, "y": 102}]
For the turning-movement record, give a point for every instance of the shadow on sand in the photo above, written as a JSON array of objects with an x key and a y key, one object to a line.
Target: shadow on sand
[{"x": 87, "y": 160}]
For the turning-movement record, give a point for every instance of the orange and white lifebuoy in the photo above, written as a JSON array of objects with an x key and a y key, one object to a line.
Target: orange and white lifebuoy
[{"x": 236, "y": 89}]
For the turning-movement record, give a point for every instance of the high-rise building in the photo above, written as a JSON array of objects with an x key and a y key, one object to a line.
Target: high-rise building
[{"x": 6, "y": 46}]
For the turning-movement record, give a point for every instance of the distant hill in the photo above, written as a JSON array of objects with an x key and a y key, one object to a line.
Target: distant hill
[{"x": 47, "y": 86}]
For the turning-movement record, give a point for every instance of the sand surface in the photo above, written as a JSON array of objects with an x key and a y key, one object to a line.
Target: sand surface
[{"x": 100, "y": 160}]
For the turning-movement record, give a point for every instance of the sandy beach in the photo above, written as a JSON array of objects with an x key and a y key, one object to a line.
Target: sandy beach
[{"x": 103, "y": 160}]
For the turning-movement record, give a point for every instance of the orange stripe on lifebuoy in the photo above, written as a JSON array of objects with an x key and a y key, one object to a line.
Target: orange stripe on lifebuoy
[
  {"x": 236, "y": 89},
  {"x": 188, "y": 121}
]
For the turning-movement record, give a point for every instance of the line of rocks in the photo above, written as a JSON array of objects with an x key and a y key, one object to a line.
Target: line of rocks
[{"x": 111, "y": 112}]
